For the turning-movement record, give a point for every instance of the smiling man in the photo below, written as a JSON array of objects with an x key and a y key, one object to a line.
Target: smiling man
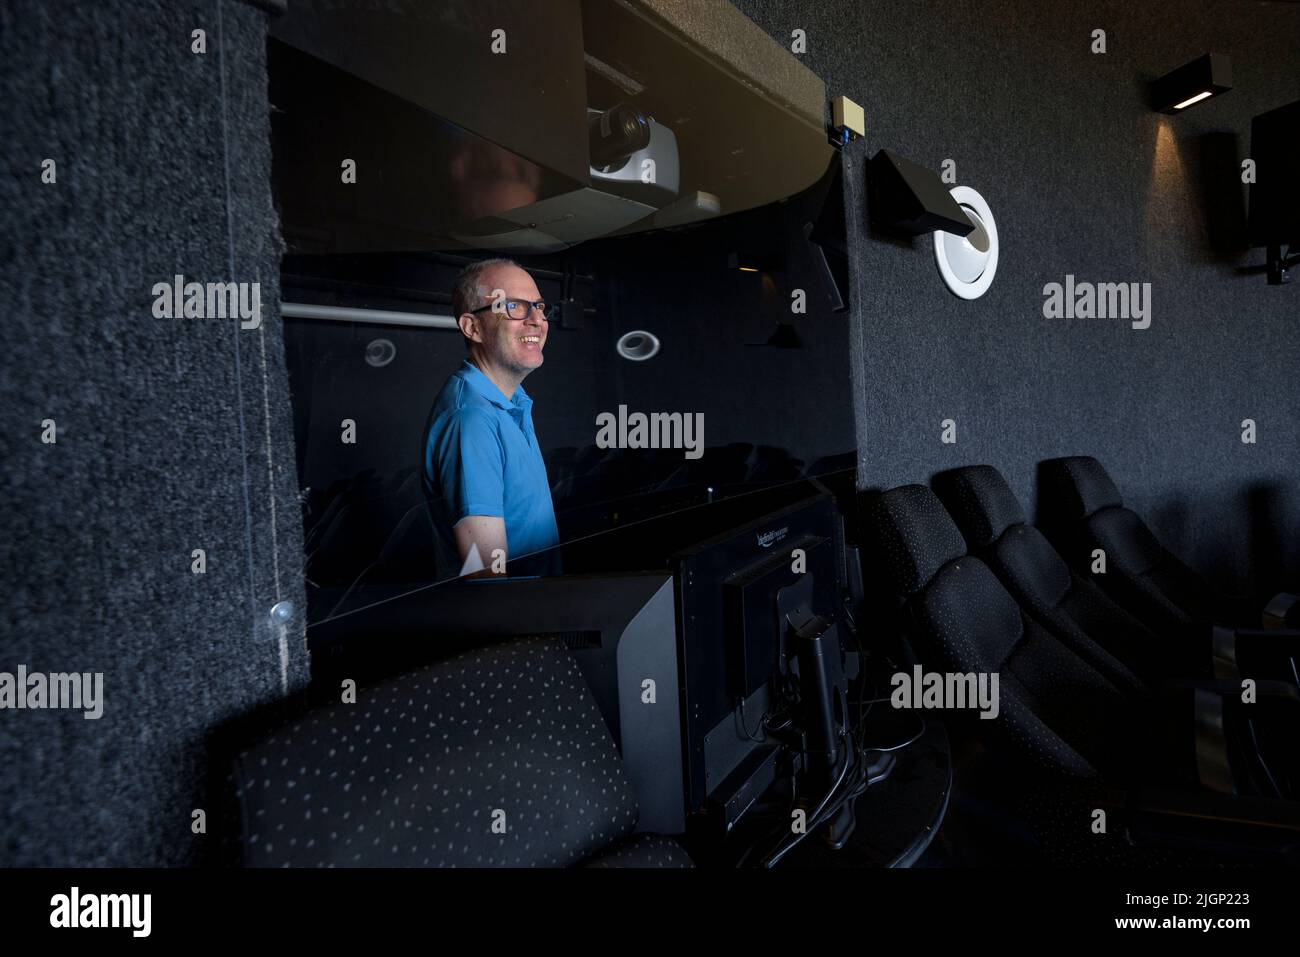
[{"x": 483, "y": 469}]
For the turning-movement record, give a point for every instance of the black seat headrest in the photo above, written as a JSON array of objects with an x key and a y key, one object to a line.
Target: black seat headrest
[
  {"x": 916, "y": 535},
  {"x": 980, "y": 502},
  {"x": 1078, "y": 486},
  {"x": 414, "y": 773}
]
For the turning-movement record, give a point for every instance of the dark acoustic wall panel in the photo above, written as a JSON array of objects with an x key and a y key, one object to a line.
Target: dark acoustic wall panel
[
  {"x": 743, "y": 50},
  {"x": 1084, "y": 179},
  {"x": 172, "y": 434}
]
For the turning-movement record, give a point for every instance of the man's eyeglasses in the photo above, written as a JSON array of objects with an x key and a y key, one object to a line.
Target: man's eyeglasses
[{"x": 519, "y": 308}]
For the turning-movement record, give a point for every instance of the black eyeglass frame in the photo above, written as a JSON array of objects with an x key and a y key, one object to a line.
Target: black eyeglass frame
[{"x": 541, "y": 306}]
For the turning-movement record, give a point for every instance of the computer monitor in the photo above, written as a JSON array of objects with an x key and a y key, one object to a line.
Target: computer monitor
[
  {"x": 737, "y": 597},
  {"x": 705, "y": 619}
]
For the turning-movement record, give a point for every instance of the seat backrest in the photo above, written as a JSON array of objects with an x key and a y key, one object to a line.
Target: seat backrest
[
  {"x": 1054, "y": 706},
  {"x": 497, "y": 757},
  {"x": 1082, "y": 503},
  {"x": 1077, "y": 611}
]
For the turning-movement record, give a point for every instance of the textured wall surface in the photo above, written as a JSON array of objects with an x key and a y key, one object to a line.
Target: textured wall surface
[
  {"x": 172, "y": 434},
  {"x": 743, "y": 47},
  {"x": 176, "y": 434},
  {"x": 1083, "y": 179}
]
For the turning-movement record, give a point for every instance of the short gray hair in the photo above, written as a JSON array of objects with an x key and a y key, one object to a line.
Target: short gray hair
[{"x": 468, "y": 293}]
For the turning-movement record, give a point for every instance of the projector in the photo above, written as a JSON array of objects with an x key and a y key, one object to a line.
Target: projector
[{"x": 633, "y": 156}]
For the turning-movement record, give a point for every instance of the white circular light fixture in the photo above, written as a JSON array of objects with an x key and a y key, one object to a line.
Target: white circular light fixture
[
  {"x": 638, "y": 345},
  {"x": 380, "y": 352},
  {"x": 968, "y": 263}
]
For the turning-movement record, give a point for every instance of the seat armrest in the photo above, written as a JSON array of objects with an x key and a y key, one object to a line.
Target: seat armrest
[
  {"x": 1204, "y": 820},
  {"x": 1232, "y": 687},
  {"x": 1282, "y": 611},
  {"x": 1281, "y": 817},
  {"x": 1213, "y": 768},
  {"x": 1211, "y": 699},
  {"x": 1268, "y": 634},
  {"x": 1231, "y": 646}
]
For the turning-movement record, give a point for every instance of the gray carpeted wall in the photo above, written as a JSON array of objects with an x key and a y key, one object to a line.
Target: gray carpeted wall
[
  {"x": 1083, "y": 179},
  {"x": 171, "y": 434}
]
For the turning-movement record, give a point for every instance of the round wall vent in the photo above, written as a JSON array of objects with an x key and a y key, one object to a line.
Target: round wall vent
[
  {"x": 968, "y": 263},
  {"x": 637, "y": 345},
  {"x": 380, "y": 352}
]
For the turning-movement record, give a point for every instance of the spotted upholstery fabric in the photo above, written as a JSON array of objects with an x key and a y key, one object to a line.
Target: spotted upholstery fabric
[
  {"x": 1103, "y": 634},
  {"x": 980, "y": 502},
  {"x": 1141, "y": 574},
  {"x": 915, "y": 536},
  {"x": 1063, "y": 818},
  {"x": 1056, "y": 709},
  {"x": 1077, "y": 486},
  {"x": 643, "y": 850},
  {"x": 498, "y": 757}
]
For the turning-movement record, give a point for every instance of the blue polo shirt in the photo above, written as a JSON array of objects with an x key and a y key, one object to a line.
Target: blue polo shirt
[{"x": 481, "y": 457}]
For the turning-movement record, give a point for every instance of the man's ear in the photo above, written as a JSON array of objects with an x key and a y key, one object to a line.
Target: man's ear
[{"x": 469, "y": 327}]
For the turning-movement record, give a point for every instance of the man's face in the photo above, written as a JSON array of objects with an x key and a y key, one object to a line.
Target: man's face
[{"x": 514, "y": 345}]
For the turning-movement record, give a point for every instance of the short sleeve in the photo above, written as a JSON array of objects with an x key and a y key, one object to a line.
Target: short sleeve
[{"x": 467, "y": 464}]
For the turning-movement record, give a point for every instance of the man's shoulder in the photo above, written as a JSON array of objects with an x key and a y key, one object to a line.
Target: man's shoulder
[
  {"x": 457, "y": 396},
  {"x": 464, "y": 411}
]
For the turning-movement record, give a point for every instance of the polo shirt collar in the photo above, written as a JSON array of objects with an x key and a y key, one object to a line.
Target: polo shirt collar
[{"x": 480, "y": 383}]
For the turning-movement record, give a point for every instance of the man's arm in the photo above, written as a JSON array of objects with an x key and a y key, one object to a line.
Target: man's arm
[
  {"x": 484, "y": 536},
  {"x": 466, "y": 464}
]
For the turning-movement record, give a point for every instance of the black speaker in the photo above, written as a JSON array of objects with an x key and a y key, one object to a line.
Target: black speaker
[
  {"x": 907, "y": 198},
  {"x": 1275, "y": 194}
]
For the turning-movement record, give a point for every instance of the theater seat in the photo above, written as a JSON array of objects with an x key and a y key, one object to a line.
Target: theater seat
[
  {"x": 990, "y": 518},
  {"x": 495, "y": 758},
  {"x": 1082, "y": 509},
  {"x": 1059, "y": 712},
  {"x": 1067, "y": 721},
  {"x": 643, "y": 850}
]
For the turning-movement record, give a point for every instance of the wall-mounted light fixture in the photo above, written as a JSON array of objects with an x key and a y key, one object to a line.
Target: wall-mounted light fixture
[
  {"x": 1192, "y": 83},
  {"x": 907, "y": 198},
  {"x": 968, "y": 263},
  {"x": 752, "y": 261}
]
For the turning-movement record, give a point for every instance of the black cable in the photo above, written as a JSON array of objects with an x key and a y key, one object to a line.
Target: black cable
[
  {"x": 910, "y": 741},
  {"x": 782, "y": 726},
  {"x": 745, "y": 729},
  {"x": 870, "y": 703},
  {"x": 853, "y": 777},
  {"x": 857, "y": 785},
  {"x": 813, "y": 822},
  {"x": 1259, "y": 756},
  {"x": 873, "y": 700},
  {"x": 828, "y": 809}
]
